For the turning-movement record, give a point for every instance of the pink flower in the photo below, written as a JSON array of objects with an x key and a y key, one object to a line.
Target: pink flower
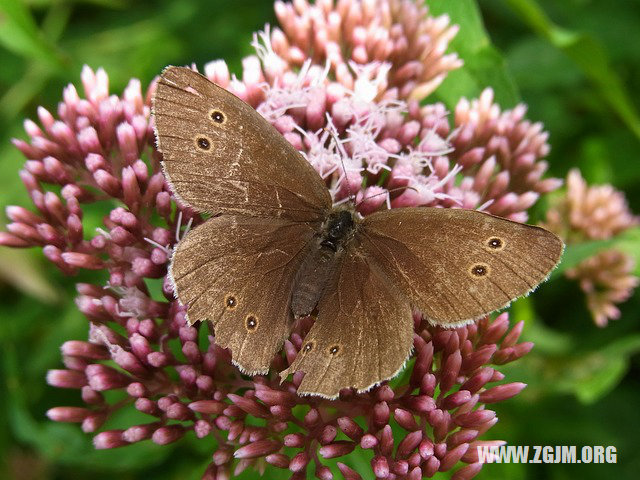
[
  {"x": 607, "y": 279},
  {"x": 596, "y": 213},
  {"x": 397, "y": 33},
  {"x": 589, "y": 212}
]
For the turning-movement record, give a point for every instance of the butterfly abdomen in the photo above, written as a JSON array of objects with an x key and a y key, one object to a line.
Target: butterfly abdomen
[
  {"x": 320, "y": 263},
  {"x": 314, "y": 273}
]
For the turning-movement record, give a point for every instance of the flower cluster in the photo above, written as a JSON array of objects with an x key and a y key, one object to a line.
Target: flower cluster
[
  {"x": 397, "y": 32},
  {"x": 396, "y": 151},
  {"x": 358, "y": 122},
  {"x": 596, "y": 213},
  {"x": 440, "y": 407},
  {"x": 606, "y": 279}
]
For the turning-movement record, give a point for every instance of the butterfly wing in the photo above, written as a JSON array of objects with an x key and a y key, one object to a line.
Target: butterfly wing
[
  {"x": 221, "y": 156},
  {"x": 238, "y": 273},
  {"x": 362, "y": 336},
  {"x": 457, "y": 265}
]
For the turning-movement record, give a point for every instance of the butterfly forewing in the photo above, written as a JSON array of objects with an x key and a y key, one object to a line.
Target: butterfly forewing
[
  {"x": 363, "y": 333},
  {"x": 221, "y": 156},
  {"x": 457, "y": 265}
]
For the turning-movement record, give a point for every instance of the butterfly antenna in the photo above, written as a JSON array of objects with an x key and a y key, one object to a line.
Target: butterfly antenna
[{"x": 330, "y": 129}]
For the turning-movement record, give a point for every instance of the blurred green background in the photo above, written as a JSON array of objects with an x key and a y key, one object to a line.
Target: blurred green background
[{"x": 576, "y": 63}]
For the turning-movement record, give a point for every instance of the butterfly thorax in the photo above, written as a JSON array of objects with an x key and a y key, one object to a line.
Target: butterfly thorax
[
  {"x": 321, "y": 259},
  {"x": 337, "y": 229}
]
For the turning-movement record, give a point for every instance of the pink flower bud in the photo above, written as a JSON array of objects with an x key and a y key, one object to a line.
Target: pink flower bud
[
  {"x": 222, "y": 456},
  {"x": 274, "y": 397},
  {"x": 259, "y": 448},
  {"x": 109, "y": 439},
  {"x": 350, "y": 428},
  {"x": 405, "y": 419},
  {"x": 386, "y": 440},
  {"x": 22, "y": 215},
  {"x": 103, "y": 378},
  {"x": 324, "y": 473},
  {"x": 347, "y": 472},
  {"x": 278, "y": 459},
  {"x": 409, "y": 443},
  {"x": 380, "y": 467},
  {"x": 249, "y": 405},
  {"x": 66, "y": 378},
  {"x": 475, "y": 418},
  {"x": 299, "y": 462},
  {"x": 430, "y": 467},
  {"x": 381, "y": 413},
  {"x": 68, "y": 414},
  {"x": 456, "y": 399},
  {"x": 450, "y": 371},
  {"x": 368, "y": 441},
  {"x": 501, "y": 392},
  {"x": 452, "y": 457},
  {"x": 167, "y": 434},
  {"x": 467, "y": 472},
  {"x": 421, "y": 403},
  {"x": 478, "y": 358},
  {"x": 337, "y": 449},
  {"x": 82, "y": 260},
  {"x": 138, "y": 433},
  {"x": 128, "y": 142}
]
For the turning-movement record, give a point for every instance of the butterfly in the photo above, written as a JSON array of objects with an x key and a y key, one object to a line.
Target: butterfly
[{"x": 276, "y": 249}]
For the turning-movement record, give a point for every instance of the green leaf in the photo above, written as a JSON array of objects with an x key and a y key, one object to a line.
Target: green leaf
[
  {"x": 547, "y": 340},
  {"x": 588, "y": 54},
  {"x": 600, "y": 372},
  {"x": 628, "y": 242},
  {"x": 24, "y": 89},
  {"x": 20, "y": 269},
  {"x": 19, "y": 33},
  {"x": 484, "y": 66}
]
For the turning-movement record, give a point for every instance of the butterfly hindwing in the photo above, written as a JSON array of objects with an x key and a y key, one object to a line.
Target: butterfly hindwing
[
  {"x": 362, "y": 336},
  {"x": 238, "y": 273}
]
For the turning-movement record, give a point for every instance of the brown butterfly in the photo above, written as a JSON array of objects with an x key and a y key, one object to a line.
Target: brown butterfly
[{"x": 276, "y": 249}]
